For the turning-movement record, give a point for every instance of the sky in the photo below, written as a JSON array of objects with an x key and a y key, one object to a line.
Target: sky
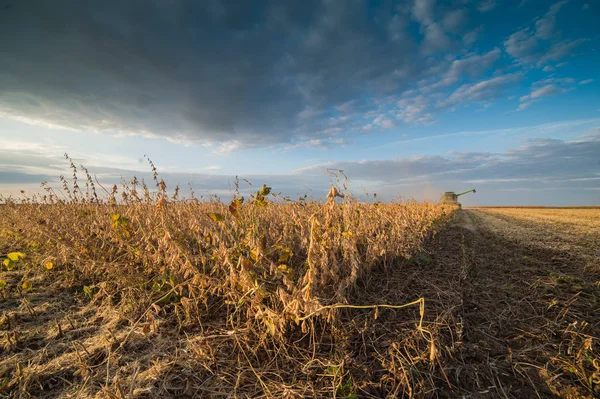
[{"x": 409, "y": 98}]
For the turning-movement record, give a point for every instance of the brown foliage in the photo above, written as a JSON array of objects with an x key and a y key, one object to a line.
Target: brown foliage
[{"x": 257, "y": 271}]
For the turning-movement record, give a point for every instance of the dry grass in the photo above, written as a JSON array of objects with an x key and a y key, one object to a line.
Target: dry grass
[
  {"x": 145, "y": 295},
  {"x": 574, "y": 230},
  {"x": 580, "y": 217}
]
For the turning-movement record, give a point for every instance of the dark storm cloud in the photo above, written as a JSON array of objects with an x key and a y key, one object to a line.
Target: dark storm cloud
[
  {"x": 245, "y": 73},
  {"x": 206, "y": 71}
]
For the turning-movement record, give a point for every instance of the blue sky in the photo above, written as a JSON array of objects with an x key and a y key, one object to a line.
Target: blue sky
[{"x": 410, "y": 98}]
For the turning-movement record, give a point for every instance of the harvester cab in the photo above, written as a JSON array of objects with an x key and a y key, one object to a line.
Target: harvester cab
[{"x": 450, "y": 197}]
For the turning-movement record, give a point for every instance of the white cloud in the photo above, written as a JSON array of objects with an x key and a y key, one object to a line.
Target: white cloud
[
  {"x": 455, "y": 20},
  {"x": 544, "y": 27},
  {"x": 471, "y": 37},
  {"x": 560, "y": 50},
  {"x": 230, "y": 146},
  {"x": 473, "y": 65},
  {"x": 524, "y": 46},
  {"x": 383, "y": 121},
  {"x": 388, "y": 124},
  {"x": 347, "y": 107},
  {"x": 480, "y": 91},
  {"x": 415, "y": 110},
  {"x": 548, "y": 68},
  {"x": 417, "y": 106},
  {"x": 561, "y": 81},
  {"x": 37, "y": 148},
  {"x": 538, "y": 46},
  {"x": 486, "y": 5},
  {"x": 321, "y": 144},
  {"x": 397, "y": 28},
  {"x": 543, "y": 91},
  {"x": 522, "y": 106},
  {"x": 521, "y": 45},
  {"x": 309, "y": 113},
  {"x": 546, "y": 129},
  {"x": 422, "y": 11},
  {"x": 545, "y": 88},
  {"x": 586, "y": 81},
  {"x": 435, "y": 38}
]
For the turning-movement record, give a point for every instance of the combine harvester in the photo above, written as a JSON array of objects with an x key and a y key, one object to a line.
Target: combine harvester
[{"x": 449, "y": 197}]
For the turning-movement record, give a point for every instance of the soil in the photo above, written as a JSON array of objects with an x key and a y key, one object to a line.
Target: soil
[{"x": 528, "y": 306}]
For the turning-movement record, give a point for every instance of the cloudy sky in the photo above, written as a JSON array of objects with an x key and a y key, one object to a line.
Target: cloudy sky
[{"x": 410, "y": 98}]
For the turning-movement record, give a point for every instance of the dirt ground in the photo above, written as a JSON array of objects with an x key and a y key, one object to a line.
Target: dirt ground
[
  {"x": 529, "y": 301},
  {"x": 511, "y": 303}
]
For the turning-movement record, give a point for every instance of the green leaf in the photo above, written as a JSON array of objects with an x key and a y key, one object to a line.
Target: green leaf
[
  {"x": 9, "y": 264},
  {"x": 285, "y": 269},
  {"x": 88, "y": 291},
  {"x": 2, "y": 284},
  {"x": 284, "y": 254},
  {"x": 260, "y": 202},
  {"x": 156, "y": 286},
  {"x": 270, "y": 325},
  {"x": 345, "y": 390},
  {"x": 235, "y": 205},
  {"x": 217, "y": 217},
  {"x": 264, "y": 190},
  {"x": 255, "y": 254},
  {"x": 16, "y": 256},
  {"x": 424, "y": 258}
]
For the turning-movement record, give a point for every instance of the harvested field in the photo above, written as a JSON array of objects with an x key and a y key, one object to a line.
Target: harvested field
[
  {"x": 173, "y": 298},
  {"x": 530, "y": 302}
]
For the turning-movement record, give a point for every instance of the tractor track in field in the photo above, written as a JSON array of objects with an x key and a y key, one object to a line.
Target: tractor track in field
[{"x": 527, "y": 319}]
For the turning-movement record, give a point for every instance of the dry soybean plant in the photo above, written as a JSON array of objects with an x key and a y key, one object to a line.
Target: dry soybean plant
[{"x": 261, "y": 272}]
